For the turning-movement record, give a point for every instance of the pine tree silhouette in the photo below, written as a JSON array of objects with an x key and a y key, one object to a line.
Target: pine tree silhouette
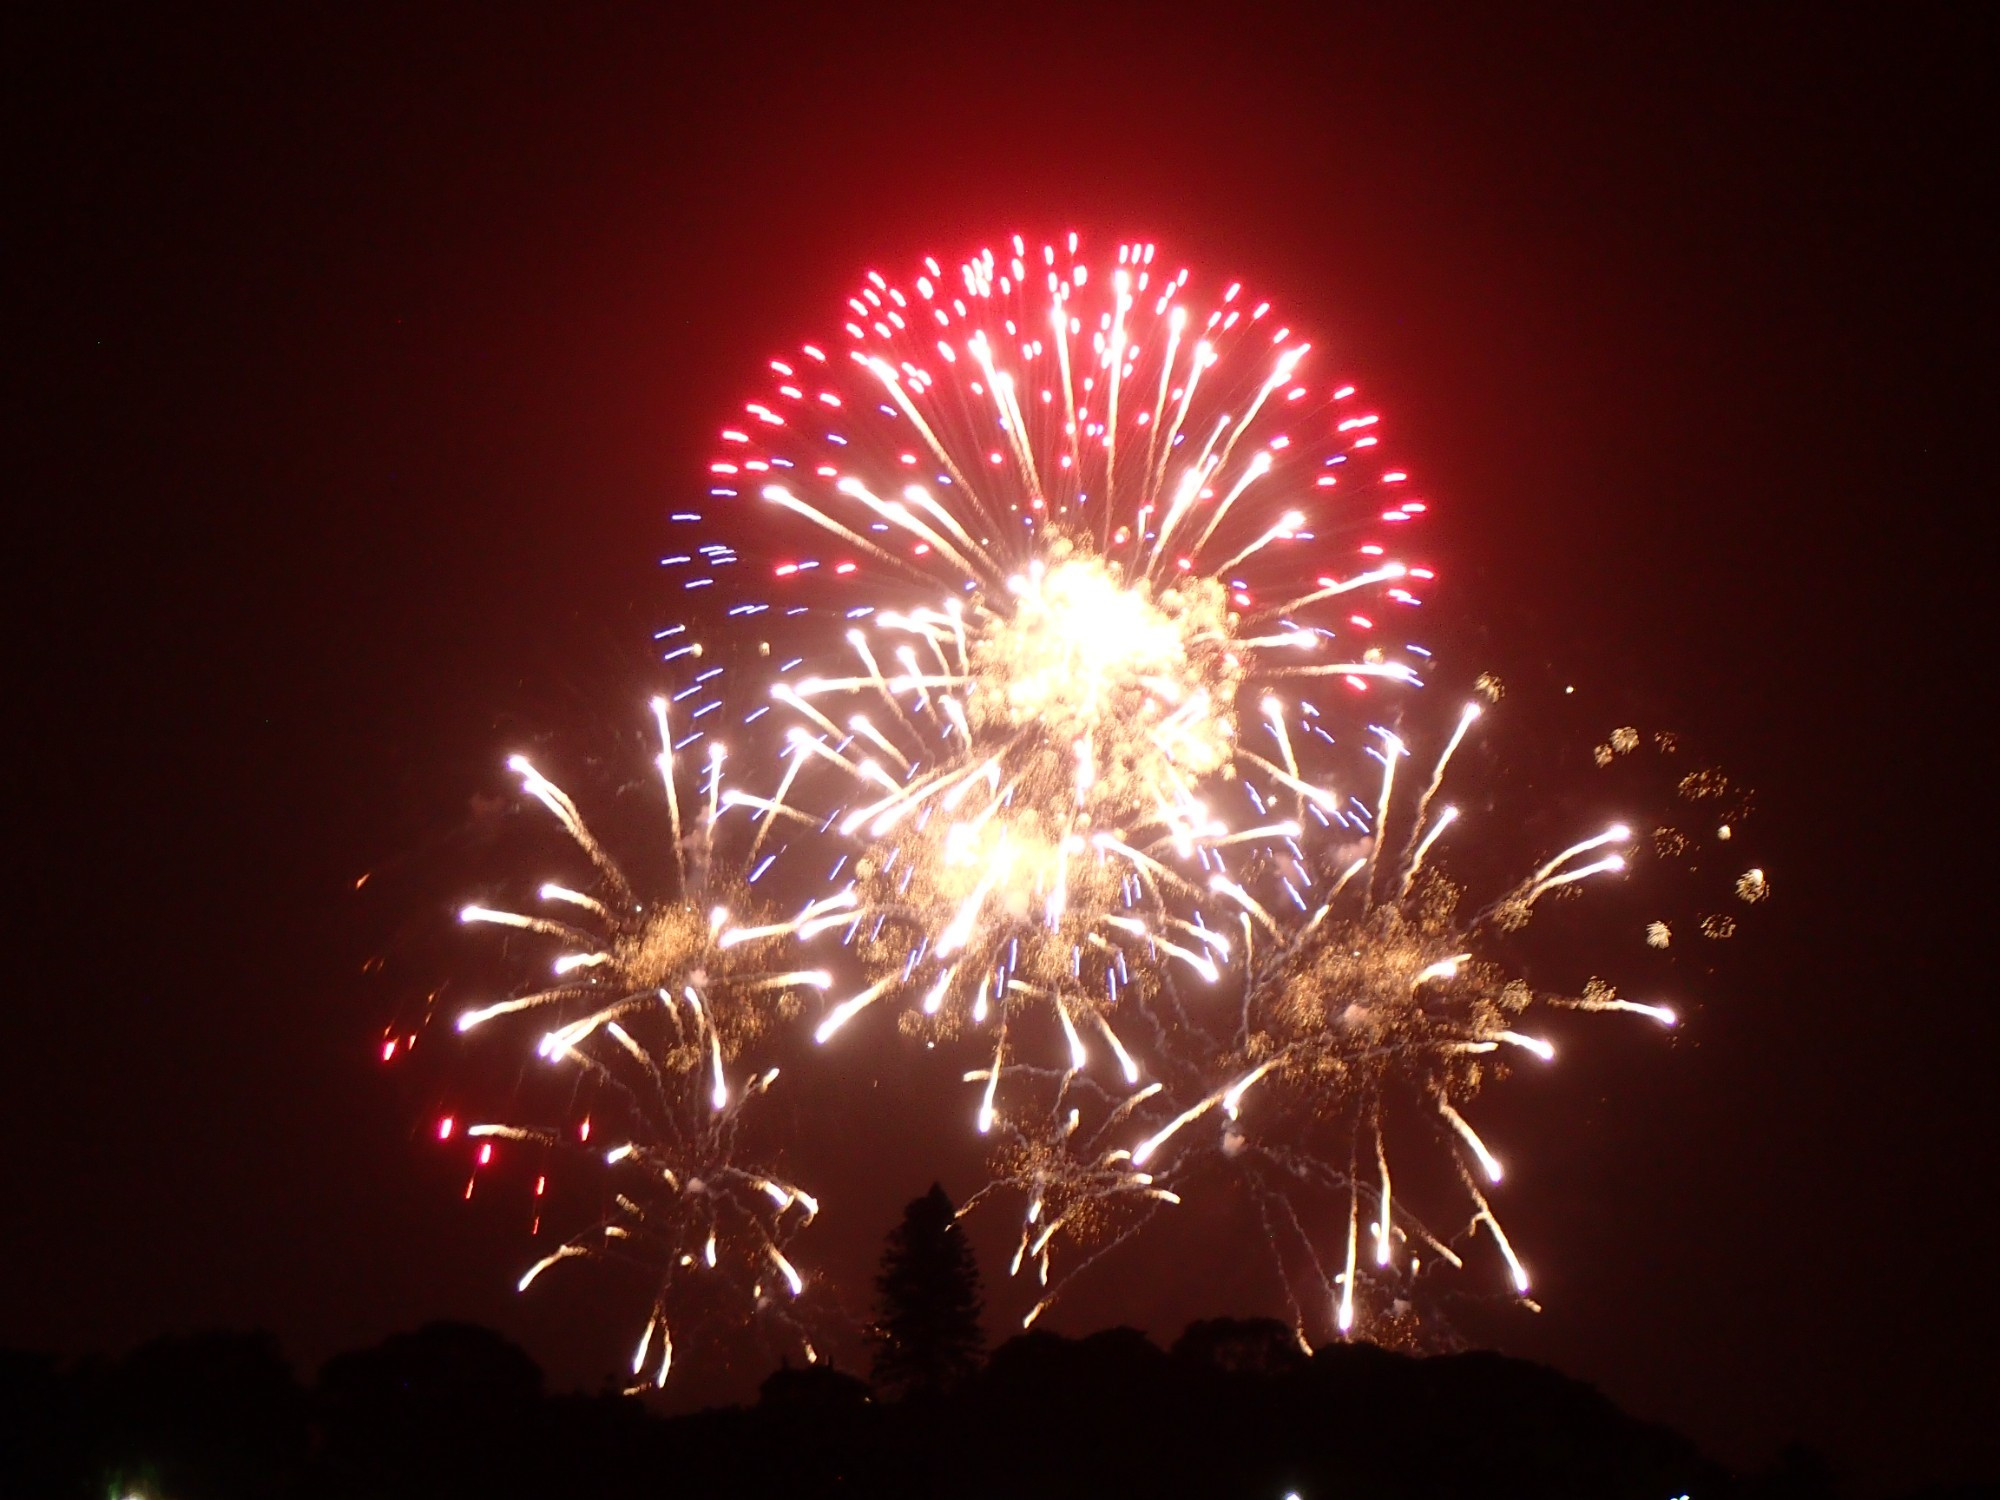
[{"x": 927, "y": 1336}]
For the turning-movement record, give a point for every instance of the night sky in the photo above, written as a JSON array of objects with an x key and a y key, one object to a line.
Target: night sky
[{"x": 355, "y": 358}]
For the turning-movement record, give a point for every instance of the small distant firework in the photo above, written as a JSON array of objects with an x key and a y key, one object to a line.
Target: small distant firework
[{"x": 655, "y": 1003}]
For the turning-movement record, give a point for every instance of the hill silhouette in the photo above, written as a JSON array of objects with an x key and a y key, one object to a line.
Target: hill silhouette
[{"x": 1234, "y": 1408}]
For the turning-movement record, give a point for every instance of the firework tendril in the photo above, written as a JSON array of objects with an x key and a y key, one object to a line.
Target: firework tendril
[{"x": 656, "y": 1006}]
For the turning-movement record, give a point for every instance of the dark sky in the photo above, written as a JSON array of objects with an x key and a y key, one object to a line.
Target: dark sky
[{"x": 355, "y": 356}]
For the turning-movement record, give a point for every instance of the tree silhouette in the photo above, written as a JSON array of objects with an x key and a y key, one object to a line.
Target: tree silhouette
[{"x": 927, "y": 1336}]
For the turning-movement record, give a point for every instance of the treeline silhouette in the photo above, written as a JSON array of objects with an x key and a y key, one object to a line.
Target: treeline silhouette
[
  {"x": 1233, "y": 1409},
  {"x": 1236, "y": 1408}
]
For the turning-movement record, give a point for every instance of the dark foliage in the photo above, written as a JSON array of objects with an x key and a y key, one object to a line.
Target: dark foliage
[
  {"x": 1236, "y": 1409},
  {"x": 927, "y": 1336},
  {"x": 817, "y": 1390},
  {"x": 427, "y": 1413},
  {"x": 44, "y": 1435},
  {"x": 213, "y": 1416},
  {"x": 1242, "y": 1346}
]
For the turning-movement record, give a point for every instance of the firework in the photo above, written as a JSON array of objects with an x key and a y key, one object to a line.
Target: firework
[
  {"x": 1080, "y": 513},
  {"x": 1078, "y": 584},
  {"x": 1376, "y": 988},
  {"x": 1371, "y": 1003},
  {"x": 654, "y": 1005},
  {"x": 1073, "y": 599}
]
